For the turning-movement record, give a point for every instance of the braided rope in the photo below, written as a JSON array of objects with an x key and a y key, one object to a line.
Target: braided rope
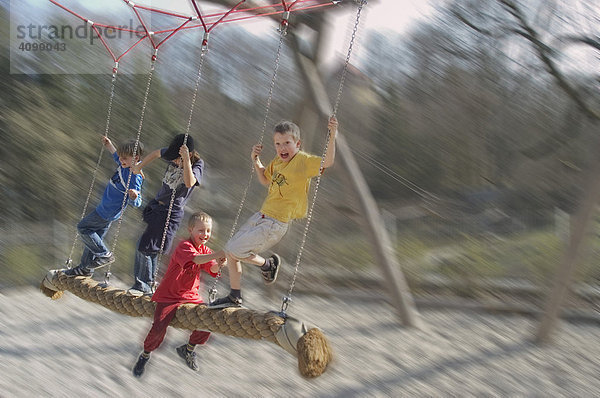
[
  {"x": 95, "y": 172},
  {"x": 312, "y": 349},
  {"x": 288, "y": 298},
  {"x": 238, "y": 322}
]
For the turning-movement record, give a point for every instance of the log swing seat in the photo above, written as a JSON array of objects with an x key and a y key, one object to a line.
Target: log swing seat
[{"x": 307, "y": 343}]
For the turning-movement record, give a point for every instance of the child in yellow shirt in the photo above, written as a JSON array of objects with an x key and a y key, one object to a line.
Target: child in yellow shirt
[{"x": 287, "y": 177}]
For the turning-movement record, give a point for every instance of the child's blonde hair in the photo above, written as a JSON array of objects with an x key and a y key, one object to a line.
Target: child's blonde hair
[
  {"x": 287, "y": 127},
  {"x": 126, "y": 148},
  {"x": 199, "y": 216}
]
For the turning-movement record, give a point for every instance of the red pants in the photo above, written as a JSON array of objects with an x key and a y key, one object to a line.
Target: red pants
[{"x": 163, "y": 314}]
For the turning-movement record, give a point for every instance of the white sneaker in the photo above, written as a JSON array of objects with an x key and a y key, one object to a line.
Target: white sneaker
[{"x": 135, "y": 292}]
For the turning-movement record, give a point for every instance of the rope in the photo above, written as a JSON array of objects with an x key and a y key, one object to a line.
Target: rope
[
  {"x": 310, "y": 347},
  {"x": 288, "y": 297},
  {"x": 69, "y": 260},
  {"x": 212, "y": 292}
]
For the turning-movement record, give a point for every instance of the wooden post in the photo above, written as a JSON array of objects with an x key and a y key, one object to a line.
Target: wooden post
[
  {"x": 570, "y": 257},
  {"x": 385, "y": 256}
]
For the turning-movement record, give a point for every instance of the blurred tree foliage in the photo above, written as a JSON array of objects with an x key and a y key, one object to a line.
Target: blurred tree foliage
[
  {"x": 474, "y": 112},
  {"x": 442, "y": 108}
]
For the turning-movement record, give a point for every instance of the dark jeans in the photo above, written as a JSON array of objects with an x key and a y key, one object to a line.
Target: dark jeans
[
  {"x": 149, "y": 245},
  {"x": 92, "y": 229},
  {"x": 144, "y": 270}
]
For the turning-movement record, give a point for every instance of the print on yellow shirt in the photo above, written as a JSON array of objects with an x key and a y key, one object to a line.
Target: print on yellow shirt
[{"x": 290, "y": 181}]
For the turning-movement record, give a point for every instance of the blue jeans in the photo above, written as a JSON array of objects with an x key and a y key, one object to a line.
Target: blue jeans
[
  {"x": 92, "y": 229},
  {"x": 144, "y": 270}
]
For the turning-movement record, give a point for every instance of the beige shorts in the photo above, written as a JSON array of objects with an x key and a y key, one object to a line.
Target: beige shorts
[{"x": 257, "y": 235}]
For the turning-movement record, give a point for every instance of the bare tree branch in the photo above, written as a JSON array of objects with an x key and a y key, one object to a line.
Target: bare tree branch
[
  {"x": 570, "y": 129},
  {"x": 595, "y": 43},
  {"x": 544, "y": 54},
  {"x": 470, "y": 24}
]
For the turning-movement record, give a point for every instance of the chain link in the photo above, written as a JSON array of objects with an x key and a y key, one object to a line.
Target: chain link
[
  {"x": 69, "y": 260},
  {"x": 282, "y": 34},
  {"x": 288, "y": 298},
  {"x": 203, "y": 52},
  {"x": 135, "y": 150},
  {"x": 338, "y": 98}
]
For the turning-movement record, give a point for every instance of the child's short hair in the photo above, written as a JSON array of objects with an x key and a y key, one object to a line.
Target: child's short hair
[
  {"x": 287, "y": 127},
  {"x": 126, "y": 148},
  {"x": 199, "y": 216}
]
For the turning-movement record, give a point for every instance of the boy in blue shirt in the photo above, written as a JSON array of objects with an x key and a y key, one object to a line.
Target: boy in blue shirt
[{"x": 93, "y": 227}]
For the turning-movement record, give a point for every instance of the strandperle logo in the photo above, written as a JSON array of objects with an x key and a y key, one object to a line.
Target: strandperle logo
[
  {"x": 42, "y": 44},
  {"x": 81, "y": 31}
]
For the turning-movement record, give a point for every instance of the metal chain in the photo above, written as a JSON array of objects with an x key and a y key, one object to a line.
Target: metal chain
[
  {"x": 166, "y": 228},
  {"x": 212, "y": 292},
  {"x": 347, "y": 62},
  {"x": 187, "y": 132},
  {"x": 135, "y": 149},
  {"x": 69, "y": 260},
  {"x": 288, "y": 298},
  {"x": 264, "y": 127}
]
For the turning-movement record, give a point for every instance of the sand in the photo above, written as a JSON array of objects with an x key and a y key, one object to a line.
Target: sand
[{"x": 70, "y": 347}]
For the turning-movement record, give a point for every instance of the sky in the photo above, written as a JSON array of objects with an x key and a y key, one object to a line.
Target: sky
[{"x": 394, "y": 15}]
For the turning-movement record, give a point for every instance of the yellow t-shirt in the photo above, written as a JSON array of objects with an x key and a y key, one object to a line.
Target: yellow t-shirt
[{"x": 287, "y": 198}]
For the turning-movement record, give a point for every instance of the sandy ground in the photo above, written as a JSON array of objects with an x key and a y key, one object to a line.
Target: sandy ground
[{"x": 70, "y": 347}]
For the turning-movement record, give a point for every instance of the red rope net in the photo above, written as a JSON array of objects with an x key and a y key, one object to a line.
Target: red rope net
[{"x": 197, "y": 20}]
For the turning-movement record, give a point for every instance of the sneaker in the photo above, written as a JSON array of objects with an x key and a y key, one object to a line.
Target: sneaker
[
  {"x": 103, "y": 261},
  {"x": 135, "y": 292},
  {"x": 138, "y": 369},
  {"x": 189, "y": 356},
  {"x": 78, "y": 271},
  {"x": 225, "y": 302},
  {"x": 270, "y": 276}
]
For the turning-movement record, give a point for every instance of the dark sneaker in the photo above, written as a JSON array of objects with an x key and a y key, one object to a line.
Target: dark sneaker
[
  {"x": 189, "y": 356},
  {"x": 270, "y": 276},
  {"x": 103, "y": 261},
  {"x": 225, "y": 302},
  {"x": 78, "y": 271},
  {"x": 138, "y": 369}
]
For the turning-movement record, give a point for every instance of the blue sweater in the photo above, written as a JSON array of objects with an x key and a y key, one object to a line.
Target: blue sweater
[{"x": 112, "y": 198}]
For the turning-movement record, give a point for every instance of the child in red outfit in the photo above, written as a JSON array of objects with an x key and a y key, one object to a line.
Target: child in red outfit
[{"x": 181, "y": 284}]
